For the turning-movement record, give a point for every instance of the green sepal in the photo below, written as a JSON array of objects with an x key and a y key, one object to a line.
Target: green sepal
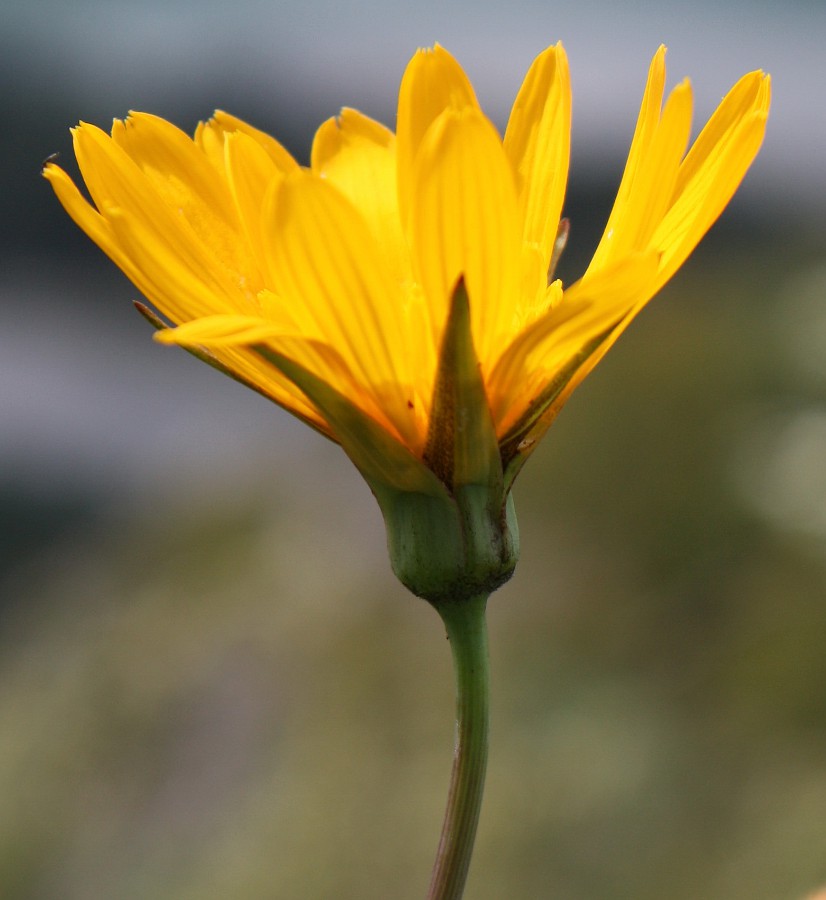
[
  {"x": 474, "y": 550},
  {"x": 451, "y": 527},
  {"x": 441, "y": 546},
  {"x": 461, "y": 445},
  {"x": 384, "y": 462},
  {"x": 522, "y": 439},
  {"x": 205, "y": 356}
]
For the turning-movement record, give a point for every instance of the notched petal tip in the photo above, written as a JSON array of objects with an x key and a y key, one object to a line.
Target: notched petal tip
[
  {"x": 435, "y": 49},
  {"x": 350, "y": 129},
  {"x": 49, "y": 162}
]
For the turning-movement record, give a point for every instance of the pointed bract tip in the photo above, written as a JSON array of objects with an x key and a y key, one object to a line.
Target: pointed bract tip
[{"x": 152, "y": 317}]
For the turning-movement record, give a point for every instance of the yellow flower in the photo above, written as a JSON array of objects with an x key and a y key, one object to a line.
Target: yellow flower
[{"x": 333, "y": 289}]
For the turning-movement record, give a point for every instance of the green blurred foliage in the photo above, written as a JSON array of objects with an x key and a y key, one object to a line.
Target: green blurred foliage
[{"x": 235, "y": 699}]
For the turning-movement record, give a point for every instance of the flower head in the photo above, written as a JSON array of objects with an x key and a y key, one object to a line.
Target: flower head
[{"x": 398, "y": 294}]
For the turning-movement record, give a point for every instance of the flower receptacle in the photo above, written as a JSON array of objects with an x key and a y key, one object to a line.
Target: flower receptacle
[{"x": 451, "y": 548}]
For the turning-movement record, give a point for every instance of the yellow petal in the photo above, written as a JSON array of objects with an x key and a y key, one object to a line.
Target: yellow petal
[
  {"x": 652, "y": 191},
  {"x": 86, "y": 217},
  {"x": 179, "y": 296},
  {"x": 186, "y": 181},
  {"x": 433, "y": 82},
  {"x": 751, "y": 94},
  {"x": 117, "y": 183},
  {"x": 644, "y": 134},
  {"x": 350, "y": 130},
  {"x": 136, "y": 259},
  {"x": 210, "y": 141},
  {"x": 251, "y": 174},
  {"x": 223, "y": 123},
  {"x": 177, "y": 287},
  {"x": 538, "y": 143},
  {"x": 465, "y": 222},
  {"x": 172, "y": 161},
  {"x": 640, "y": 292},
  {"x": 222, "y": 331},
  {"x": 651, "y": 172},
  {"x": 113, "y": 178},
  {"x": 325, "y": 264},
  {"x": 713, "y": 170},
  {"x": 358, "y": 156},
  {"x": 587, "y": 310},
  {"x": 328, "y": 290}
]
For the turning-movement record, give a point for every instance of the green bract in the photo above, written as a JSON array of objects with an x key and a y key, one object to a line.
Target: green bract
[{"x": 451, "y": 525}]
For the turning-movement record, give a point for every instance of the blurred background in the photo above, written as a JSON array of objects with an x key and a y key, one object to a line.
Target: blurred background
[{"x": 211, "y": 685}]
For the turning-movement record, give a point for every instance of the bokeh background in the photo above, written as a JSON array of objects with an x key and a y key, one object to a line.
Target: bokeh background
[{"x": 211, "y": 685}]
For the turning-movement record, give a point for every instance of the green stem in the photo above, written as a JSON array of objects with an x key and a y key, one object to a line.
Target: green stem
[{"x": 467, "y": 632}]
